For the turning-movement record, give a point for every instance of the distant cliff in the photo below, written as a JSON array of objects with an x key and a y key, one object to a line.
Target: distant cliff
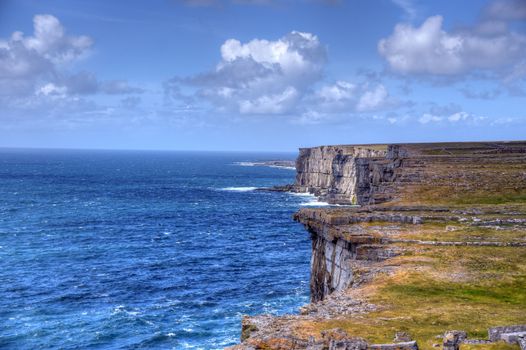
[
  {"x": 341, "y": 174},
  {"x": 374, "y": 174}
]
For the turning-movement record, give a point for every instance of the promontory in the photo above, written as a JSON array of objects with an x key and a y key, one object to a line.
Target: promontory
[{"x": 425, "y": 247}]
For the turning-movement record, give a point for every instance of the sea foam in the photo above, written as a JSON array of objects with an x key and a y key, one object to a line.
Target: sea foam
[{"x": 239, "y": 189}]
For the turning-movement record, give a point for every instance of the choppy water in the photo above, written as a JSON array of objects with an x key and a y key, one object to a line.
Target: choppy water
[{"x": 157, "y": 250}]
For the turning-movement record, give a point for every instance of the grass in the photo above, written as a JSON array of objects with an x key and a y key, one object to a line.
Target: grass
[
  {"x": 446, "y": 231},
  {"x": 464, "y": 288},
  {"x": 436, "y": 194}
]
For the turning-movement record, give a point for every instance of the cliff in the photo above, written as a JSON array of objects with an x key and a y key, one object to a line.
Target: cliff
[
  {"x": 437, "y": 244},
  {"x": 374, "y": 174}
]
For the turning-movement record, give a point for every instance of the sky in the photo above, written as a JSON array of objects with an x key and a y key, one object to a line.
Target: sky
[{"x": 259, "y": 75}]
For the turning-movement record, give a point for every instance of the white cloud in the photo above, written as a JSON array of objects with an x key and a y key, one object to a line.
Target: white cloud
[
  {"x": 344, "y": 96},
  {"x": 458, "y": 117},
  {"x": 429, "y": 49},
  {"x": 50, "y": 40},
  {"x": 279, "y": 77},
  {"x": 270, "y": 104},
  {"x": 372, "y": 100},
  {"x": 36, "y": 79},
  {"x": 340, "y": 91},
  {"x": 454, "y": 118},
  {"x": 28, "y": 57},
  {"x": 27, "y": 60},
  {"x": 260, "y": 76},
  {"x": 51, "y": 89},
  {"x": 427, "y": 118},
  {"x": 39, "y": 64}
]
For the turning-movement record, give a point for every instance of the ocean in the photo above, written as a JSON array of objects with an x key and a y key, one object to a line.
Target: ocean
[{"x": 144, "y": 249}]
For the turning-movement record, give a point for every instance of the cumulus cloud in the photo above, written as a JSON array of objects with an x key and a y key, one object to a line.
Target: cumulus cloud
[
  {"x": 51, "y": 42},
  {"x": 39, "y": 65},
  {"x": 431, "y": 50},
  {"x": 427, "y": 118},
  {"x": 454, "y": 118},
  {"x": 372, "y": 100},
  {"x": 279, "y": 77},
  {"x": 37, "y": 79},
  {"x": 344, "y": 96},
  {"x": 24, "y": 60},
  {"x": 260, "y": 76}
]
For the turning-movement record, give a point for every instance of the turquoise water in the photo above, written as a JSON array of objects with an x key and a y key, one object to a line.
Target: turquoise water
[{"x": 156, "y": 250}]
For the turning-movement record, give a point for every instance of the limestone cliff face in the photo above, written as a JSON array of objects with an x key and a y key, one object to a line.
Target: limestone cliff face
[
  {"x": 343, "y": 256},
  {"x": 345, "y": 174},
  {"x": 376, "y": 174}
]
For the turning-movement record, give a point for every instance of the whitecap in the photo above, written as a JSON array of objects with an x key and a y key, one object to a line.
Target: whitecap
[
  {"x": 239, "y": 189},
  {"x": 245, "y": 163},
  {"x": 302, "y": 194},
  {"x": 315, "y": 203},
  {"x": 283, "y": 167}
]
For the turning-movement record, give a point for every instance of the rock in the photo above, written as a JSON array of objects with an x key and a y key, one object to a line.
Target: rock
[
  {"x": 522, "y": 342},
  {"x": 495, "y": 333},
  {"x": 512, "y": 338},
  {"x": 452, "y": 340},
  {"x": 402, "y": 337},
  {"x": 409, "y": 345},
  {"x": 338, "y": 339},
  {"x": 348, "y": 344},
  {"x": 247, "y": 328},
  {"x": 417, "y": 220}
]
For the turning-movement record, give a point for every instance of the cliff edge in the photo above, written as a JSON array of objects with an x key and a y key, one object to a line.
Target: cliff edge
[{"x": 434, "y": 252}]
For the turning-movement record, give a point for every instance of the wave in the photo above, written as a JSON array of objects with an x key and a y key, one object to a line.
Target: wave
[
  {"x": 265, "y": 164},
  {"x": 302, "y": 194},
  {"x": 315, "y": 203},
  {"x": 239, "y": 189},
  {"x": 282, "y": 167},
  {"x": 245, "y": 163},
  {"x": 310, "y": 199}
]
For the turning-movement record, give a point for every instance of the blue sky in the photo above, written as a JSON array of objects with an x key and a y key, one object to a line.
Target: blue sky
[{"x": 262, "y": 75}]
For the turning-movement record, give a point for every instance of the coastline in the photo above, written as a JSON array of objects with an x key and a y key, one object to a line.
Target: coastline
[{"x": 428, "y": 215}]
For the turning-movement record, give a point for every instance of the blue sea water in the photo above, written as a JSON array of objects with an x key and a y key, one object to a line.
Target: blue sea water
[{"x": 153, "y": 250}]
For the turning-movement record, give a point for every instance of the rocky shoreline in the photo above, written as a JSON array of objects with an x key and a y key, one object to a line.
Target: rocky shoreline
[{"x": 430, "y": 221}]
